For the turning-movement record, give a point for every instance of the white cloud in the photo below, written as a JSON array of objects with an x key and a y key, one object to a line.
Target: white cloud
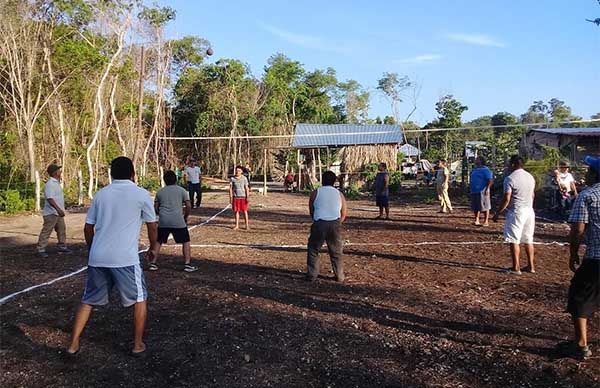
[
  {"x": 303, "y": 40},
  {"x": 476, "y": 39},
  {"x": 419, "y": 59}
]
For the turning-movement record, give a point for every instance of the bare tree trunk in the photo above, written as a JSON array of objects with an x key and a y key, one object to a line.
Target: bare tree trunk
[
  {"x": 99, "y": 107},
  {"x": 114, "y": 116}
]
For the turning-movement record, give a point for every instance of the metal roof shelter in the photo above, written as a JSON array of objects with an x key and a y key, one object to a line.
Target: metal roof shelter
[
  {"x": 409, "y": 150},
  {"x": 332, "y": 135},
  {"x": 569, "y": 131}
]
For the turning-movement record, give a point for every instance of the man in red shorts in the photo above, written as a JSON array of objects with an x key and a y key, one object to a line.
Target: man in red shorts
[{"x": 239, "y": 191}]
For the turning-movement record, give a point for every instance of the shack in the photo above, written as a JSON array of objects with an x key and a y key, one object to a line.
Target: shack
[{"x": 574, "y": 142}]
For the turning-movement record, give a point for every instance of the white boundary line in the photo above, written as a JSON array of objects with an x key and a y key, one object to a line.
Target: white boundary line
[
  {"x": 258, "y": 246},
  {"x": 9, "y": 297}
]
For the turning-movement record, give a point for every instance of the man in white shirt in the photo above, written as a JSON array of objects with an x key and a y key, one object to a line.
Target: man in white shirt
[
  {"x": 519, "y": 193},
  {"x": 112, "y": 233},
  {"x": 567, "y": 190},
  {"x": 194, "y": 181},
  {"x": 328, "y": 210},
  {"x": 53, "y": 213}
]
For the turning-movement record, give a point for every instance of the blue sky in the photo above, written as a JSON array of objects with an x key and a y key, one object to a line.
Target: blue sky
[{"x": 492, "y": 55}]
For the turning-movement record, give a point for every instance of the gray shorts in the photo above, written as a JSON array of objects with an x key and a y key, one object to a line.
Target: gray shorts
[
  {"x": 129, "y": 281},
  {"x": 480, "y": 202}
]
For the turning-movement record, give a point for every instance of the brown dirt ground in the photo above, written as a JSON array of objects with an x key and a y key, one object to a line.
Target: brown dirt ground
[{"x": 408, "y": 315}]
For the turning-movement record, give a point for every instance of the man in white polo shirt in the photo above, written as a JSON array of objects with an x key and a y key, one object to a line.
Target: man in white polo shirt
[
  {"x": 112, "y": 233},
  {"x": 194, "y": 181},
  {"x": 53, "y": 213},
  {"x": 519, "y": 192}
]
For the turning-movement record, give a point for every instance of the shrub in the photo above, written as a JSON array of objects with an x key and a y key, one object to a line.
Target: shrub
[
  {"x": 11, "y": 202},
  {"x": 353, "y": 191},
  {"x": 149, "y": 183},
  {"x": 395, "y": 181}
]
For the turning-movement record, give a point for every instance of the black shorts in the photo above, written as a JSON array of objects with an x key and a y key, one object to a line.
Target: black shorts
[
  {"x": 584, "y": 292},
  {"x": 180, "y": 235},
  {"x": 382, "y": 200}
]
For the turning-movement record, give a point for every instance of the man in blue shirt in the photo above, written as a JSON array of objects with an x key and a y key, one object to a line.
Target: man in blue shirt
[
  {"x": 481, "y": 182},
  {"x": 584, "y": 292}
]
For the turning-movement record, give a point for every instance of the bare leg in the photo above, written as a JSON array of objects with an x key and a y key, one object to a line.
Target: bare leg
[
  {"x": 157, "y": 250},
  {"x": 529, "y": 250},
  {"x": 515, "y": 252},
  {"x": 387, "y": 212},
  {"x": 237, "y": 221},
  {"x": 380, "y": 211},
  {"x": 246, "y": 220},
  {"x": 187, "y": 252},
  {"x": 580, "y": 325},
  {"x": 140, "y": 310},
  {"x": 81, "y": 318},
  {"x": 487, "y": 217},
  {"x": 476, "y": 218}
]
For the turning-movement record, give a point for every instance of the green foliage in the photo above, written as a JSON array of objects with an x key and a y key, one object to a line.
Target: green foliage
[
  {"x": 12, "y": 202},
  {"x": 157, "y": 16},
  {"x": 395, "y": 181},
  {"x": 353, "y": 191},
  {"x": 149, "y": 183},
  {"x": 540, "y": 169}
]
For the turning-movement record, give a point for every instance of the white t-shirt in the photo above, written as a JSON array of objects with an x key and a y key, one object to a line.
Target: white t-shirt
[
  {"x": 565, "y": 180},
  {"x": 118, "y": 211},
  {"x": 521, "y": 185},
  {"x": 53, "y": 190},
  {"x": 193, "y": 174},
  {"x": 327, "y": 204}
]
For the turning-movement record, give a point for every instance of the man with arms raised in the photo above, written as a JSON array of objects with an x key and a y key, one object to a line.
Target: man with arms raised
[
  {"x": 327, "y": 207},
  {"x": 584, "y": 292},
  {"x": 519, "y": 192},
  {"x": 112, "y": 233}
]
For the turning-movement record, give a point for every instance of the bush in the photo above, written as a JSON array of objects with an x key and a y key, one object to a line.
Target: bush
[
  {"x": 11, "y": 202},
  {"x": 353, "y": 191},
  {"x": 395, "y": 181},
  {"x": 149, "y": 183}
]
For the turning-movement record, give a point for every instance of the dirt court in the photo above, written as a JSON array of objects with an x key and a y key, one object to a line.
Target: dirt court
[{"x": 423, "y": 306}]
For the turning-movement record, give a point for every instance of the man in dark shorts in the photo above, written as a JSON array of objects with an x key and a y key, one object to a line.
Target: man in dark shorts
[
  {"x": 112, "y": 233},
  {"x": 480, "y": 183},
  {"x": 239, "y": 191},
  {"x": 382, "y": 191},
  {"x": 168, "y": 204},
  {"x": 584, "y": 292}
]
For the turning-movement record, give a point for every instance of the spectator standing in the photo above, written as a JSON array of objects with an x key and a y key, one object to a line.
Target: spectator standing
[
  {"x": 480, "y": 183},
  {"x": 53, "y": 213}
]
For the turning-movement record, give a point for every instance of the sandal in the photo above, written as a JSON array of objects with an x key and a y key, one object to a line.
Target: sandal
[
  {"x": 190, "y": 268},
  {"x": 152, "y": 267},
  {"x": 511, "y": 271}
]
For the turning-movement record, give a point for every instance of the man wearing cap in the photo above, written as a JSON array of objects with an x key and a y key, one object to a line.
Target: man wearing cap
[
  {"x": 584, "y": 292},
  {"x": 194, "y": 181},
  {"x": 53, "y": 213}
]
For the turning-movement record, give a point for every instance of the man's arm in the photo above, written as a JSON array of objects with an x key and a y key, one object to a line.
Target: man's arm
[
  {"x": 386, "y": 181},
  {"x": 156, "y": 207},
  {"x": 153, "y": 238},
  {"x": 311, "y": 203},
  {"x": 187, "y": 209},
  {"x": 574, "y": 187},
  {"x": 247, "y": 190},
  {"x": 88, "y": 232},
  {"x": 59, "y": 210},
  {"x": 489, "y": 185},
  {"x": 344, "y": 210},
  {"x": 503, "y": 205},
  {"x": 577, "y": 231},
  {"x": 231, "y": 192}
]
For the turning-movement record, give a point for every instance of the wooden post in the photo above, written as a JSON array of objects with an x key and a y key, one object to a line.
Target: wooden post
[
  {"x": 320, "y": 168},
  {"x": 80, "y": 181},
  {"x": 161, "y": 172},
  {"x": 265, "y": 174},
  {"x": 299, "y": 171},
  {"x": 38, "y": 191},
  {"x": 328, "y": 159}
]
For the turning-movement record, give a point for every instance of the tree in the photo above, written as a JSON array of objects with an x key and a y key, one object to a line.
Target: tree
[
  {"x": 537, "y": 113},
  {"x": 355, "y": 102},
  {"x": 393, "y": 88}
]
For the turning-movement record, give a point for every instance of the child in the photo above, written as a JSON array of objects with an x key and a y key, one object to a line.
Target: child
[
  {"x": 382, "y": 191},
  {"x": 239, "y": 191},
  {"x": 172, "y": 220}
]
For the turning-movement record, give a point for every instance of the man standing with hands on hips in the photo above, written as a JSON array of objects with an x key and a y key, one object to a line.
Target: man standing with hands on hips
[{"x": 53, "y": 212}]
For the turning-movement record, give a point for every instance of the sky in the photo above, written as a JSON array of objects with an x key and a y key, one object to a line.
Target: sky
[{"x": 493, "y": 55}]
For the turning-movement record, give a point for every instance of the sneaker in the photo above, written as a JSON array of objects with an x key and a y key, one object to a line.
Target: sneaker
[
  {"x": 190, "y": 268},
  {"x": 584, "y": 352},
  {"x": 43, "y": 255},
  {"x": 64, "y": 250}
]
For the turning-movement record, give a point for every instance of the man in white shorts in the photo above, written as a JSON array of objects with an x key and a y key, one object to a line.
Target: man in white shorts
[
  {"x": 519, "y": 192},
  {"x": 112, "y": 233}
]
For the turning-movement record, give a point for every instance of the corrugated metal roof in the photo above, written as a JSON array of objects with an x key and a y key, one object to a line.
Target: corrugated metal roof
[
  {"x": 320, "y": 135},
  {"x": 570, "y": 131},
  {"x": 409, "y": 150}
]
